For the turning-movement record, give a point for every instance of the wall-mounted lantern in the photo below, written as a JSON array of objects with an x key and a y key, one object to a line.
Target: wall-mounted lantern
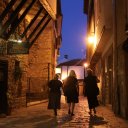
[
  {"x": 91, "y": 39},
  {"x": 85, "y": 67}
]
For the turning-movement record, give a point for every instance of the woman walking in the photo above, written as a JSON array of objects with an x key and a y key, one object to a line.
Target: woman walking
[
  {"x": 92, "y": 90},
  {"x": 71, "y": 91},
  {"x": 54, "y": 94}
]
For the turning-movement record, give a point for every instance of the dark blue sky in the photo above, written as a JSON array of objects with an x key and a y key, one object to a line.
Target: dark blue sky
[{"x": 73, "y": 29}]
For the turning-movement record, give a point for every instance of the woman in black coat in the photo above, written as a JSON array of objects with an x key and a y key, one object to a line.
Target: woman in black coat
[
  {"x": 55, "y": 86},
  {"x": 91, "y": 90},
  {"x": 71, "y": 91}
]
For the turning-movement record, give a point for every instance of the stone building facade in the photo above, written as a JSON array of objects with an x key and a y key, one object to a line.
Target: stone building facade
[
  {"x": 25, "y": 70},
  {"x": 108, "y": 54}
]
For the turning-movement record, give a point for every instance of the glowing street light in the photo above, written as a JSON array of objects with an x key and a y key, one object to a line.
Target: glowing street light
[
  {"x": 91, "y": 39},
  {"x": 19, "y": 41},
  {"x": 85, "y": 65}
]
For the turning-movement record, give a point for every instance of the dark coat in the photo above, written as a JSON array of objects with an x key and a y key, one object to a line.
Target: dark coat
[
  {"x": 91, "y": 90},
  {"x": 54, "y": 94},
  {"x": 71, "y": 89}
]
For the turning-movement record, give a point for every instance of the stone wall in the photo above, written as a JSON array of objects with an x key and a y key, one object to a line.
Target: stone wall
[
  {"x": 119, "y": 103},
  {"x": 121, "y": 60},
  {"x": 37, "y": 66},
  {"x": 42, "y": 60},
  {"x": 16, "y": 88}
]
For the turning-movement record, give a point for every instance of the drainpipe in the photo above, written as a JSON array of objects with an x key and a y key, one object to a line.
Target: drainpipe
[{"x": 115, "y": 104}]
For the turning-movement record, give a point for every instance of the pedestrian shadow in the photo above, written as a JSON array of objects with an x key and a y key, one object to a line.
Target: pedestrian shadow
[
  {"x": 52, "y": 121},
  {"x": 35, "y": 121},
  {"x": 96, "y": 120},
  {"x": 64, "y": 119}
]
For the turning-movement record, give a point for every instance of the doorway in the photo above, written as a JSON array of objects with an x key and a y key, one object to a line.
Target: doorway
[{"x": 3, "y": 86}]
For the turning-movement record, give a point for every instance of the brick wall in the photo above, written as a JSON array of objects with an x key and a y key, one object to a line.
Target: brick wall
[
  {"x": 42, "y": 59},
  {"x": 34, "y": 65}
]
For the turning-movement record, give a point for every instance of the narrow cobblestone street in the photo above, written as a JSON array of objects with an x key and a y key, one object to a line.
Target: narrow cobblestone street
[{"x": 37, "y": 116}]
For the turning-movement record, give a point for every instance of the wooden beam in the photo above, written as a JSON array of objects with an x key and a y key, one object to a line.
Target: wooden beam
[
  {"x": 38, "y": 25},
  {"x": 8, "y": 7},
  {"x": 12, "y": 17},
  {"x": 16, "y": 23},
  {"x": 41, "y": 30},
  {"x": 31, "y": 23}
]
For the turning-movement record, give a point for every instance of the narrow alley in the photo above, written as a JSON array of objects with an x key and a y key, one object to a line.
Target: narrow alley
[
  {"x": 34, "y": 48},
  {"x": 38, "y": 116}
]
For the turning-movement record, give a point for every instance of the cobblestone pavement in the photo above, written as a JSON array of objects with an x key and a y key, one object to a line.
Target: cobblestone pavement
[{"x": 37, "y": 116}]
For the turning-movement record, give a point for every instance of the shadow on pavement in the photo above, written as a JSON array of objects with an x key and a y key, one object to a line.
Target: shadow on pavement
[
  {"x": 54, "y": 122},
  {"x": 64, "y": 119},
  {"x": 96, "y": 120},
  {"x": 37, "y": 121},
  {"x": 40, "y": 121},
  {"x": 49, "y": 123}
]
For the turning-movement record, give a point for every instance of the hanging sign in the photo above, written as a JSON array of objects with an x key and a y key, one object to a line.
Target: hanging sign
[{"x": 17, "y": 48}]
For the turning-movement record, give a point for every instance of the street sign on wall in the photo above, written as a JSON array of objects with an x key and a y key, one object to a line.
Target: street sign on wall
[{"x": 17, "y": 48}]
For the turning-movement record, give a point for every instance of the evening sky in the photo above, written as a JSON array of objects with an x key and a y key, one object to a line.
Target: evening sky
[{"x": 73, "y": 29}]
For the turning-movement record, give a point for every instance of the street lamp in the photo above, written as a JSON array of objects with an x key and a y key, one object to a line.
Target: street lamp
[
  {"x": 85, "y": 66},
  {"x": 91, "y": 39}
]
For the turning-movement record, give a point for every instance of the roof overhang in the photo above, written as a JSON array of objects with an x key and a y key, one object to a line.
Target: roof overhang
[
  {"x": 28, "y": 13},
  {"x": 37, "y": 15},
  {"x": 50, "y": 6}
]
